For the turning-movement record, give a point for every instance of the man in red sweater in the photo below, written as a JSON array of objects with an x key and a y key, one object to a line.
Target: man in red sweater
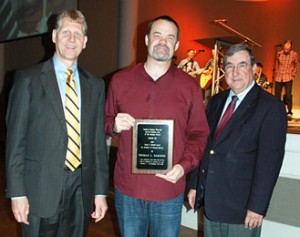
[{"x": 155, "y": 89}]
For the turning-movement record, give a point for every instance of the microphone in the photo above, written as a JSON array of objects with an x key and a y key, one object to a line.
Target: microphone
[
  {"x": 278, "y": 45},
  {"x": 199, "y": 50},
  {"x": 221, "y": 20}
]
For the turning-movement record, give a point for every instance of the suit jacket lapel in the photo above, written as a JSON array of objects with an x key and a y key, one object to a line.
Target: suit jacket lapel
[
  {"x": 216, "y": 112},
  {"x": 242, "y": 112},
  {"x": 48, "y": 79},
  {"x": 85, "y": 98}
]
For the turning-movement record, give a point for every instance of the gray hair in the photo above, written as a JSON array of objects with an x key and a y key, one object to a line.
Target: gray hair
[{"x": 237, "y": 48}]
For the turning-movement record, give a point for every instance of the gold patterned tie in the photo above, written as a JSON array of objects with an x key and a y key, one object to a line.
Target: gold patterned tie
[{"x": 73, "y": 123}]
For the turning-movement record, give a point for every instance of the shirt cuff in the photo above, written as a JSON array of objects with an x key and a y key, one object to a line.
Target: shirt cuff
[
  {"x": 100, "y": 195},
  {"x": 16, "y": 198}
]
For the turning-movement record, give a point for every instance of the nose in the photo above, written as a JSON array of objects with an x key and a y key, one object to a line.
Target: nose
[
  {"x": 235, "y": 70},
  {"x": 162, "y": 40},
  {"x": 72, "y": 37}
]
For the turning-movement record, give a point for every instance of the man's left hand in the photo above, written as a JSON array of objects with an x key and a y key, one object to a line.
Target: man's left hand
[
  {"x": 100, "y": 208},
  {"x": 173, "y": 175},
  {"x": 253, "y": 220}
]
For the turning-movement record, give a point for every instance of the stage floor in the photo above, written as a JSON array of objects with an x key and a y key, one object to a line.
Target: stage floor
[{"x": 294, "y": 124}]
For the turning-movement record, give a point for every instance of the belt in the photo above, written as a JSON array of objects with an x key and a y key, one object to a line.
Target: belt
[{"x": 66, "y": 168}]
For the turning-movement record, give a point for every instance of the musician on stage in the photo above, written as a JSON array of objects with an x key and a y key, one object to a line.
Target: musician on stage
[
  {"x": 189, "y": 65},
  {"x": 260, "y": 78},
  {"x": 207, "y": 74}
]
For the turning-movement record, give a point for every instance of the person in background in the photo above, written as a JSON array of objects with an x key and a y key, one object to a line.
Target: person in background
[
  {"x": 242, "y": 161},
  {"x": 155, "y": 89},
  {"x": 56, "y": 159},
  {"x": 174, "y": 59},
  {"x": 189, "y": 65},
  {"x": 260, "y": 78},
  {"x": 286, "y": 68}
]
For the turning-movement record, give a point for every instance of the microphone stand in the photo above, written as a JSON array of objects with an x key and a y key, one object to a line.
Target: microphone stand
[
  {"x": 236, "y": 33},
  {"x": 216, "y": 72},
  {"x": 185, "y": 65}
]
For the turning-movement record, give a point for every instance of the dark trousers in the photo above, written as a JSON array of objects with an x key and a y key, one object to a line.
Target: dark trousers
[
  {"x": 69, "y": 219},
  {"x": 287, "y": 98},
  {"x": 217, "y": 229}
]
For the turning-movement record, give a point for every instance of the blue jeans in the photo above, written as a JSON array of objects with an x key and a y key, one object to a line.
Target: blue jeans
[{"x": 135, "y": 216}]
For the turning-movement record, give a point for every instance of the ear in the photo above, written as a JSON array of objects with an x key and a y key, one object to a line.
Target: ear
[
  {"x": 54, "y": 32},
  {"x": 254, "y": 69},
  {"x": 146, "y": 40},
  {"x": 176, "y": 46},
  {"x": 85, "y": 40}
]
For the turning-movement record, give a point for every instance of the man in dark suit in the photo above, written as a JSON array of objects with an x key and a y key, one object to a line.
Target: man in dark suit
[
  {"x": 241, "y": 162},
  {"x": 50, "y": 196}
]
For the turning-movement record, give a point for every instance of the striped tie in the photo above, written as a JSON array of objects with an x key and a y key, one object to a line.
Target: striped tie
[{"x": 73, "y": 123}]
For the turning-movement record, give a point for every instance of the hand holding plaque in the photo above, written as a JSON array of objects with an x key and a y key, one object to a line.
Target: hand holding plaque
[
  {"x": 176, "y": 173},
  {"x": 152, "y": 146}
]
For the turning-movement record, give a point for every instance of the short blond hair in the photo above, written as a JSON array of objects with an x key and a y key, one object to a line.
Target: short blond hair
[{"x": 74, "y": 15}]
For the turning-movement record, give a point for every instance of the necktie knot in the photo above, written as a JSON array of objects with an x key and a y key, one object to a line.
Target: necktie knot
[
  {"x": 234, "y": 98},
  {"x": 69, "y": 73}
]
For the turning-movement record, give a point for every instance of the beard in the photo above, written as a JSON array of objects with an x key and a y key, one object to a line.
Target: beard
[{"x": 161, "y": 53}]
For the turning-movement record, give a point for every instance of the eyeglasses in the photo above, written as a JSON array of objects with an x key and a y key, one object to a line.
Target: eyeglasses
[{"x": 240, "y": 67}]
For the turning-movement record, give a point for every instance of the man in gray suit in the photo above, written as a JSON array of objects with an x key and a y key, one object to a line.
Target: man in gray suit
[
  {"x": 242, "y": 161},
  {"x": 49, "y": 197}
]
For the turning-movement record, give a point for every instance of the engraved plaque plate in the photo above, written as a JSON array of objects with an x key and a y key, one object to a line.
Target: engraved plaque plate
[{"x": 152, "y": 146}]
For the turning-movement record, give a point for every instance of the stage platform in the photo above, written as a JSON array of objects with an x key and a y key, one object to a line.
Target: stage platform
[{"x": 294, "y": 124}]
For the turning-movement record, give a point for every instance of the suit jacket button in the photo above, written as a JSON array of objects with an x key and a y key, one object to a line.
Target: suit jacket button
[{"x": 211, "y": 152}]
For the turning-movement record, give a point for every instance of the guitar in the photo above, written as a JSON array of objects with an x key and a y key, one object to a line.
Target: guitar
[
  {"x": 196, "y": 72},
  {"x": 206, "y": 76}
]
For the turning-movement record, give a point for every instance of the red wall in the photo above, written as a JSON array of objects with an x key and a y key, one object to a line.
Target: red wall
[{"x": 266, "y": 22}]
